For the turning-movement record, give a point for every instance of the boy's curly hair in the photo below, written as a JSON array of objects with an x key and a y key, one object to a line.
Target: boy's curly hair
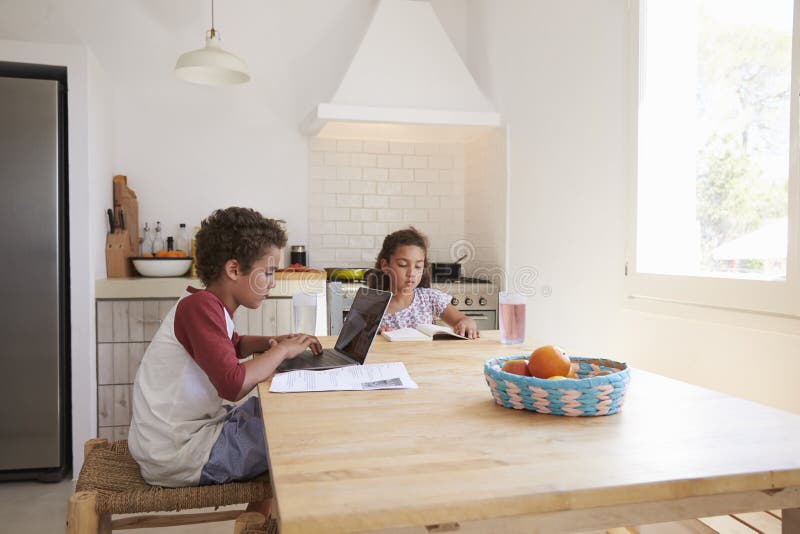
[
  {"x": 407, "y": 236},
  {"x": 235, "y": 233}
]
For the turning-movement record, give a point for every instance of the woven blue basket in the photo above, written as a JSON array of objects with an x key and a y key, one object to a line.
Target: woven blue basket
[{"x": 592, "y": 393}]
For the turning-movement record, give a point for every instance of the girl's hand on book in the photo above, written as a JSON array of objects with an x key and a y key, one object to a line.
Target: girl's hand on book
[{"x": 467, "y": 327}]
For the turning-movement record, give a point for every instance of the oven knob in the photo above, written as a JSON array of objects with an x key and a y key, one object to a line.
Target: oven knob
[
  {"x": 482, "y": 301},
  {"x": 468, "y": 301},
  {"x": 455, "y": 302}
]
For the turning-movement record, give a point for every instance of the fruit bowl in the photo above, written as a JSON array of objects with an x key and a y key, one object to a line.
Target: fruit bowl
[
  {"x": 161, "y": 267},
  {"x": 599, "y": 389}
]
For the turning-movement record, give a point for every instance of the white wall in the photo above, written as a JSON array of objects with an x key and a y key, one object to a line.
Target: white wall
[
  {"x": 485, "y": 202},
  {"x": 189, "y": 149},
  {"x": 100, "y": 136},
  {"x": 101, "y": 161},
  {"x": 557, "y": 72}
]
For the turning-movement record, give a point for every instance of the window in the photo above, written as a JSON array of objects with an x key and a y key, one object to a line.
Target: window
[{"x": 716, "y": 153}]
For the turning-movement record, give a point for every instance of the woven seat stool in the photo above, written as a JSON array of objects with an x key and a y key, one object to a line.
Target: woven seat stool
[{"x": 110, "y": 483}]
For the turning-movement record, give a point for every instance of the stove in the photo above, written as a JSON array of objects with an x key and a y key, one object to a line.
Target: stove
[
  {"x": 462, "y": 280},
  {"x": 474, "y": 297}
]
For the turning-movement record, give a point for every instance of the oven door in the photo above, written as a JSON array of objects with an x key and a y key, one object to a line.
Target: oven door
[{"x": 486, "y": 319}]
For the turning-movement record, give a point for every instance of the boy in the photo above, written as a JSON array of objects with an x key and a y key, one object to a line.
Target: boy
[{"x": 183, "y": 432}]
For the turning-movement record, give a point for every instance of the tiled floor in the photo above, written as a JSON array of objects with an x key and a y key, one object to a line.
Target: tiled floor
[{"x": 38, "y": 508}]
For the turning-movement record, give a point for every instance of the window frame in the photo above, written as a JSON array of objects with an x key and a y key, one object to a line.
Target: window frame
[{"x": 771, "y": 298}]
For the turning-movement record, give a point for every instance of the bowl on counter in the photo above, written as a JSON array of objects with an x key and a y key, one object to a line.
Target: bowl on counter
[
  {"x": 161, "y": 267},
  {"x": 335, "y": 274}
]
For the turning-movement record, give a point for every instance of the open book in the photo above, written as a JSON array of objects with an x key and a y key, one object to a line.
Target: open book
[{"x": 422, "y": 332}]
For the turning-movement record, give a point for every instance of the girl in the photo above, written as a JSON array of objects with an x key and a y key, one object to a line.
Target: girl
[{"x": 402, "y": 268}]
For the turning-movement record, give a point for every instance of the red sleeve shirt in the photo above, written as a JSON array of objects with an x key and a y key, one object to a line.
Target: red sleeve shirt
[{"x": 201, "y": 327}]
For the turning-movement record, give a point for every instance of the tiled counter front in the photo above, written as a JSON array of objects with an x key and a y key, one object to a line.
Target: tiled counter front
[{"x": 124, "y": 330}]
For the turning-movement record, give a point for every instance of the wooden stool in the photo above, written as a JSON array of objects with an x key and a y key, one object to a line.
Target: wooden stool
[{"x": 110, "y": 483}]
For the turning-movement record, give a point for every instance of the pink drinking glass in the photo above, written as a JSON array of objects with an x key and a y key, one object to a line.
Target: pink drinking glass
[{"x": 512, "y": 318}]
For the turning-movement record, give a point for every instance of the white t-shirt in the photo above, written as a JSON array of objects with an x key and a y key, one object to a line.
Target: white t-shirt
[{"x": 178, "y": 405}]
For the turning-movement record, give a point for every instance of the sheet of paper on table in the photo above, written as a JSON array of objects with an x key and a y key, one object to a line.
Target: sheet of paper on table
[{"x": 352, "y": 378}]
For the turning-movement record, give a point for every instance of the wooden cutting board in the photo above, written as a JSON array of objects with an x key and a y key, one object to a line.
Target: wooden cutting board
[{"x": 126, "y": 202}]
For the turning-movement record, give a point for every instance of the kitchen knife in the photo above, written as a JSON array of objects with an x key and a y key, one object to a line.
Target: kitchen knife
[
  {"x": 121, "y": 221},
  {"x": 110, "y": 220}
]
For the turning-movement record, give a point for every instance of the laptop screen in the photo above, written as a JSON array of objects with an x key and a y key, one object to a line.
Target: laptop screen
[{"x": 362, "y": 322}]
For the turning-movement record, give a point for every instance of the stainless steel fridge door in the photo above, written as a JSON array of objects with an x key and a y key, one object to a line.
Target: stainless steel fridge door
[{"x": 30, "y": 404}]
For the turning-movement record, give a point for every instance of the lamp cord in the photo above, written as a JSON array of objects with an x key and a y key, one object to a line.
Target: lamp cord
[{"x": 213, "y": 31}]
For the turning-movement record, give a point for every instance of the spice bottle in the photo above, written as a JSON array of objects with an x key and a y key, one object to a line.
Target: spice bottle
[
  {"x": 158, "y": 241},
  {"x": 146, "y": 246}
]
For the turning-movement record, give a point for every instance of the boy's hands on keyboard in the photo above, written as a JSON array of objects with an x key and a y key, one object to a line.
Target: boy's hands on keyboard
[
  {"x": 279, "y": 349},
  {"x": 297, "y": 344}
]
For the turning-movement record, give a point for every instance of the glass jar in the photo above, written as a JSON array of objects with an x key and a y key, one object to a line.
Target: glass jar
[
  {"x": 182, "y": 239},
  {"x": 297, "y": 255}
]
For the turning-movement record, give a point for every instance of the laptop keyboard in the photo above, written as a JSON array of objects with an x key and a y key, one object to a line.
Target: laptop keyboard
[{"x": 327, "y": 358}]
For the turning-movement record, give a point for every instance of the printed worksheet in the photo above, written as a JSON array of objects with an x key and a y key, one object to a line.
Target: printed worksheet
[{"x": 352, "y": 378}]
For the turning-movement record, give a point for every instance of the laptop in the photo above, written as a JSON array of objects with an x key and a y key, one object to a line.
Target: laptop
[{"x": 355, "y": 339}]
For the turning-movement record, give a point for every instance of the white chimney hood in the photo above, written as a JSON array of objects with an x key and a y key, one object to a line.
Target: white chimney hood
[{"x": 405, "y": 72}]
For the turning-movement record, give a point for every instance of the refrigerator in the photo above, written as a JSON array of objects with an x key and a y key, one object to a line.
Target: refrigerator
[{"x": 34, "y": 314}]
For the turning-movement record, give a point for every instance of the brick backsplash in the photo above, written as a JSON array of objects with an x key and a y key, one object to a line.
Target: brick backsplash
[{"x": 363, "y": 189}]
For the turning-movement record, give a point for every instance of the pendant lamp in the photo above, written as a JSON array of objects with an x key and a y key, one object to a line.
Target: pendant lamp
[{"x": 212, "y": 65}]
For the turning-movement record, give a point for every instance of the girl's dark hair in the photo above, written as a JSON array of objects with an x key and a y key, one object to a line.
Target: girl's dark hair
[
  {"x": 240, "y": 234},
  {"x": 408, "y": 236}
]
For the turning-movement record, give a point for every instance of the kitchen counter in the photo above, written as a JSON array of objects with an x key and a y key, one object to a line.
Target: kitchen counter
[{"x": 286, "y": 284}]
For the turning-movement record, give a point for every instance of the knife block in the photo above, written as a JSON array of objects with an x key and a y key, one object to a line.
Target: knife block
[{"x": 118, "y": 263}]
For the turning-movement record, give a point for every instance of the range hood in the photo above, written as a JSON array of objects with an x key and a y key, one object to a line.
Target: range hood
[{"x": 405, "y": 72}]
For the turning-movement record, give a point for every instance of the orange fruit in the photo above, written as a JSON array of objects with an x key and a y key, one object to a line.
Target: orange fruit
[
  {"x": 161, "y": 254},
  {"x": 557, "y": 378},
  {"x": 572, "y": 373},
  {"x": 549, "y": 361},
  {"x": 517, "y": 367}
]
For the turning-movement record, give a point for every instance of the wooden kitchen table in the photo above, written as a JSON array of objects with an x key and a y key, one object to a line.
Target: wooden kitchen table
[{"x": 445, "y": 454}]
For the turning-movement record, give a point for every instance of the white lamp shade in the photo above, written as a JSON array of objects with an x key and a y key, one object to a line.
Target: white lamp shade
[{"x": 211, "y": 65}]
